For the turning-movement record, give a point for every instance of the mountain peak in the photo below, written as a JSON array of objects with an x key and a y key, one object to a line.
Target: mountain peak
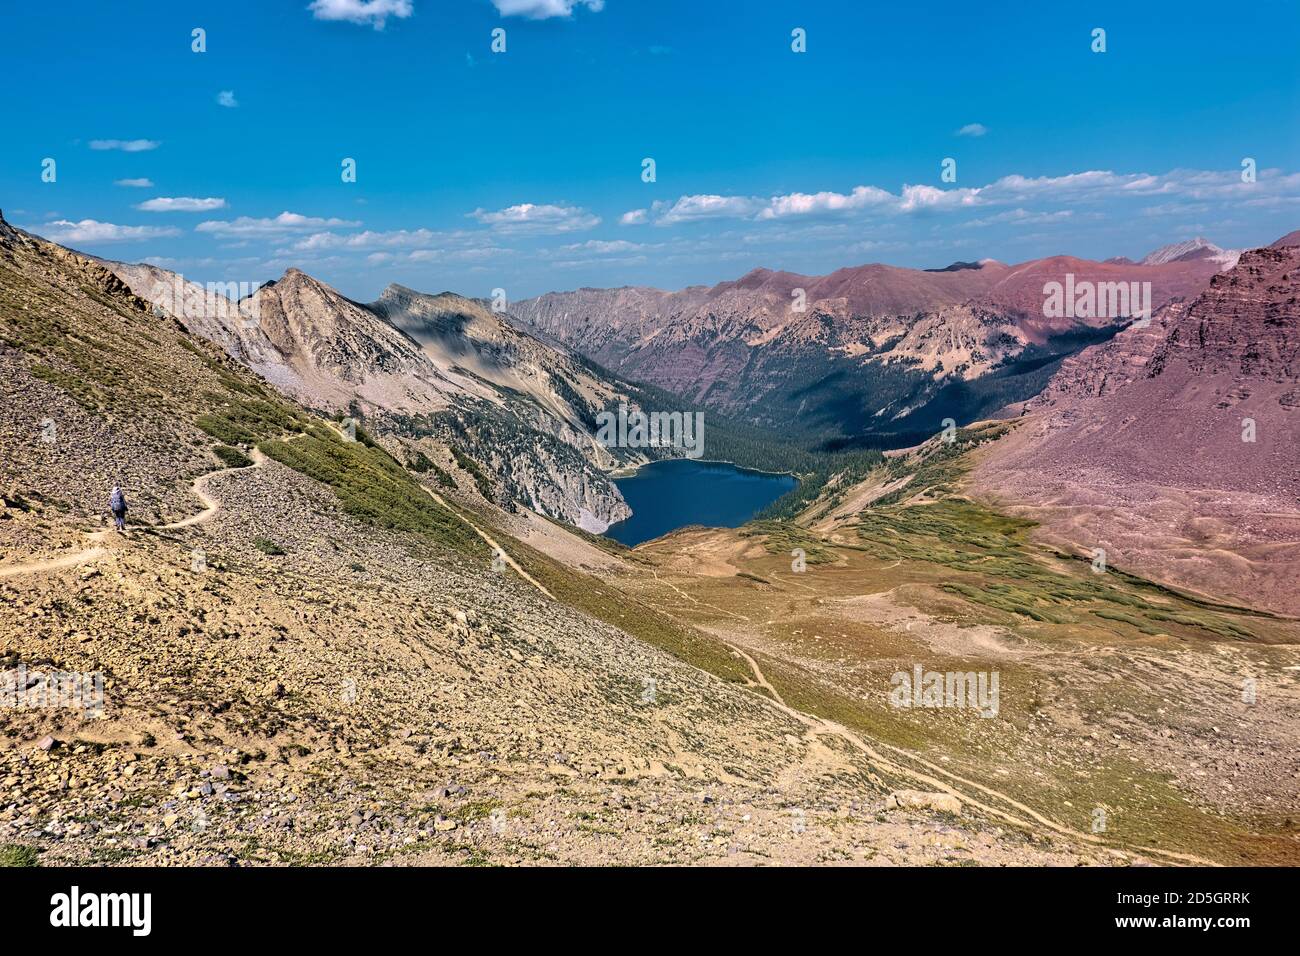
[
  {"x": 1195, "y": 248},
  {"x": 397, "y": 294},
  {"x": 295, "y": 280}
]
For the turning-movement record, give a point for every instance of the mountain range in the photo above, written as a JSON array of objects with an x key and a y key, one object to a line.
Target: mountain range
[
  {"x": 330, "y": 645},
  {"x": 871, "y": 354},
  {"x": 1190, "y": 250}
]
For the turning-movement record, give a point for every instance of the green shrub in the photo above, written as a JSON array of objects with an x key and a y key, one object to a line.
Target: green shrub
[
  {"x": 232, "y": 457},
  {"x": 80, "y": 391},
  {"x": 784, "y": 536},
  {"x": 371, "y": 486},
  {"x": 442, "y": 478},
  {"x": 419, "y": 461},
  {"x": 267, "y": 546},
  {"x": 369, "y": 482},
  {"x": 17, "y": 854},
  {"x": 247, "y": 421}
]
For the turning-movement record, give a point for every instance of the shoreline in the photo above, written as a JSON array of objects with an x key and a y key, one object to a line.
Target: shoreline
[{"x": 631, "y": 472}]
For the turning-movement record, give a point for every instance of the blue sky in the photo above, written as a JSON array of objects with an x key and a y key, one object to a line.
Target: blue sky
[{"x": 522, "y": 170}]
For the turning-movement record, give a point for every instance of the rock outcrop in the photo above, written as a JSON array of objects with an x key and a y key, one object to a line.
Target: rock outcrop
[
  {"x": 442, "y": 367},
  {"x": 861, "y": 350},
  {"x": 1173, "y": 446}
]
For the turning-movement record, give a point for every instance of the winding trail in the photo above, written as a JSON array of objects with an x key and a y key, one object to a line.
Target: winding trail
[
  {"x": 761, "y": 680},
  {"x": 818, "y": 725},
  {"x": 210, "y": 508},
  {"x": 55, "y": 564},
  {"x": 210, "y": 505},
  {"x": 1024, "y": 816},
  {"x": 497, "y": 550},
  {"x": 1008, "y": 809},
  {"x": 786, "y": 580},
  {"x": 694, "y": 600}
]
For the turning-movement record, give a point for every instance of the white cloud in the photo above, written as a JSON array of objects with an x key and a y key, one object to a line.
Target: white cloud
[
  {"x": 800, "y": 204},
  {"x": 538, "y": 220},
  {"x": 281, "y": 225},
  {"x": 456, "y": 255},
  {"x": 544, "y": 9},
  {"x": 475, "y": 255},
  {"x": 372, "y": 12},
  {"x": 141, "y": 183},
  {"x": 181, "y": 204},
  {"x": 126, "y": 145},
  {"x": 1175, "y": 209},
  {"x": 693, "y": 208},
  {"x": 973, "y": 129},
  {"x": 870, "y": 245},
  {"x": 1094, "y": 183},
  {"x": 168, "y": 262},
  {"x": 1273, "y": 188},
  {"x": 227, "y": 98},
  {"x": 587, "y": 263},
  {"x": 1097, "y": 184},
  {"x": 394, "y": 239},
  {"x": 89, "y": 230},
  {"x": 370, "y": 240},
  {"x": 914, "y": 198},
  {"x": 635, "y": 217}
]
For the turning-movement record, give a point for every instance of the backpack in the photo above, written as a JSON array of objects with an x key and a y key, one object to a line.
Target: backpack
[{"x": 117, "y": 501}]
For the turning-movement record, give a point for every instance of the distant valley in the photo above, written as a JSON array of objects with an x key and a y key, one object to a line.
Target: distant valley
[
  {"x": 408, "y": 493},
  {"x": 868, "y": 356}
]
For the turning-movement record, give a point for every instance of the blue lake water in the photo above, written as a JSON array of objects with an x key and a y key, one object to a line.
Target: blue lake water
[{"x": 666, "y": 495}]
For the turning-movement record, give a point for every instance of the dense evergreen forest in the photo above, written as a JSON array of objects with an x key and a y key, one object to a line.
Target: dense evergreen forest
[{"x": 811, "y": 458}]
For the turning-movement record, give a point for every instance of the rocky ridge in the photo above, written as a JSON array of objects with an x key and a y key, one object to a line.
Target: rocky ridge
[
  {"x": 445, "y": 367},
  {"x": 1183, "y": 433},
  {"x": 871, "y": 346}
]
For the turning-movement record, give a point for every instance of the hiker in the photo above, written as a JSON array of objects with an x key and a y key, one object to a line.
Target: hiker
[{"x": 117, "y": 505}]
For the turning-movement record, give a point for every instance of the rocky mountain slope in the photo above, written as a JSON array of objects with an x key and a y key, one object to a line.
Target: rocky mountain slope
[
  {"x": 442, "y": 367},
  {"x": 1173, "y": 447},
  {"x": 1155, "y": 715},
  {"x": 872, "y": 350},
  {"x": 308, "y": 656},
  {"x": 1190, "y": 250}
]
